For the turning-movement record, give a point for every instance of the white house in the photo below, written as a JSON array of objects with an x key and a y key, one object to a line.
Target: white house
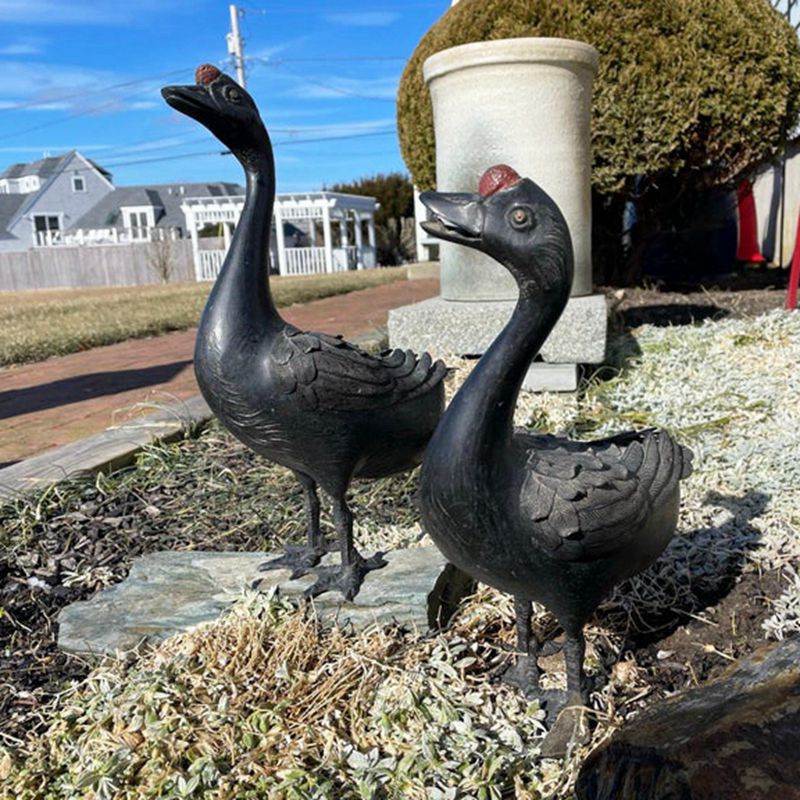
[{"x": 41, "y": 199}]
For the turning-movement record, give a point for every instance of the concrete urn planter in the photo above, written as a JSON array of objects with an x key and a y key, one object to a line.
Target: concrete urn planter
[{"x": 527, "y": 103}]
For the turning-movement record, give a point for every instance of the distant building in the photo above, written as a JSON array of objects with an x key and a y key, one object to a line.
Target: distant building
[
  {"x": 40, "y": 200},
  {"x": 143, "y": 213},
  {"x": 69, "y": 200}
]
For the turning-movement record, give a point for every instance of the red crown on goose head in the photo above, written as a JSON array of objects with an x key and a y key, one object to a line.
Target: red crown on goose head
[
  {"x": 498, "y": 177},
  {"x": 206, "y": 73}
]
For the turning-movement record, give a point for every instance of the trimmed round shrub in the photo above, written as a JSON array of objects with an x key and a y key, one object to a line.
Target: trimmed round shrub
[{"x": 694, "y": 89}]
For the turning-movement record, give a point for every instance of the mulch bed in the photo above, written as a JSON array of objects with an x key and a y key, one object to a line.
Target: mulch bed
[
  {"x": 213, "y": 495},
  {"x": 754, "y": 291}
]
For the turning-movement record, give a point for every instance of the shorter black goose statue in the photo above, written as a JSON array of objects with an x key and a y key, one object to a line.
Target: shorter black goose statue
[
  {"x": 543, "y": 518},
  {"x": 309, "y": 401}
]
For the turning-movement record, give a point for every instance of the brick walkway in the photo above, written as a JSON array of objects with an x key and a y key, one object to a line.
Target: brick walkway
[{"x": 54, "y": 402}]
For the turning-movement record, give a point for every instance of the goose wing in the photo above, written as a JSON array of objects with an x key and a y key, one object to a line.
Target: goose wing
[
  {"x": 588, "y": 499},
  {"x": 326, "y": 372}
]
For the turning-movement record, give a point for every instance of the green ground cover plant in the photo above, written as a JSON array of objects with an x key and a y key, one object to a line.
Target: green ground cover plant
[{"x": 39, "y": 324}]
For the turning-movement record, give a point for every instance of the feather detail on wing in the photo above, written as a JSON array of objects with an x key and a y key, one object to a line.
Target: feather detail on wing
[
  {"x": 586, "y": 500},
  {"x": 327, "y": 372}
]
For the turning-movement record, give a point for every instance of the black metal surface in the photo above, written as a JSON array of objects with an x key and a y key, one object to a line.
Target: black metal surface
[
  {"x": 541, "y": 517},
  {"x": 309, "y": 401}
]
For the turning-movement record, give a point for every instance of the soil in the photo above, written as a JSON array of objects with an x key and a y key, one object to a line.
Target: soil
[
  {"x": 751, "y": 292},
  {"x": 710, "y": 641}
]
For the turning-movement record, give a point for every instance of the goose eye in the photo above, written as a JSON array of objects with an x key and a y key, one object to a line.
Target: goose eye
[
  {"x": 520, "y": 218},
  {"x": 234, "y": 95}
]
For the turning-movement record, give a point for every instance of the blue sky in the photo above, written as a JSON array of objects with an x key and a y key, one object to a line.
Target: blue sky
[{"x": 85, "y": 74}]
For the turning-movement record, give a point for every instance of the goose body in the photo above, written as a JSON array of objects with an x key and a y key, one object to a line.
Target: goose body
[
  {"x": 309, "y": 401},
  {"x": 541, "y": 517}
]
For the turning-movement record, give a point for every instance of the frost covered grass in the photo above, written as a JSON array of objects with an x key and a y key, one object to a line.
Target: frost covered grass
[{"x": 264, "y": 703}]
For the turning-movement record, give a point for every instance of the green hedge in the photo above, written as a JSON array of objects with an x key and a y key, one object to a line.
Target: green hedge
[{"x": 697, "y": 89}]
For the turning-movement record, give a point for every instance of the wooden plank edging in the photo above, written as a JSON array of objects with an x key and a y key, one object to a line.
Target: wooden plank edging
[{"x": 108, "y": 450}]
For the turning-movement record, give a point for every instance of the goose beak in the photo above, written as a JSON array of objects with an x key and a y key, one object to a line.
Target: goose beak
[
  {"x": 457, "y": 217},
  {"x": 194, "y": 101}
]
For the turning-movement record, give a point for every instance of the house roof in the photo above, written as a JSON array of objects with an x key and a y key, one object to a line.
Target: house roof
[
  {"x": 47, "y": 166},
  {"x": 166, "y": 199},
  {"x": 9, "y": 205},
  {"x": 44, "y": 168}
]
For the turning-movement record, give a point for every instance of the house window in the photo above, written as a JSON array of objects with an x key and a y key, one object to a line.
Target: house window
[
  {"x": 139, "y": 224},
  {"x": 78, "y": 184},
  {"x": 47, "y": 228}
]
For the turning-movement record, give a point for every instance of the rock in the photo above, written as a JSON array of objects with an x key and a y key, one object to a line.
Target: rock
[
  {"x": 735, "y": 738},
  {"x": 169, "y": 592}
]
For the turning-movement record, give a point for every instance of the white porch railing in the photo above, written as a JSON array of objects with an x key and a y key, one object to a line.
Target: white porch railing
[
  {"x": 210, "y": 264},
  {"x": 299, "y": 261},
  {"x": 305, "y": 260},
  {"x": 101, "y": 236},
  {"x": 48, "y": 238}
]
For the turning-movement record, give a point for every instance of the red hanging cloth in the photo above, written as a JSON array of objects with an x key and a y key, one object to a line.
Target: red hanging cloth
[
  {"x": 794, "y": 272},
  {"x": 748, "y": 227}
]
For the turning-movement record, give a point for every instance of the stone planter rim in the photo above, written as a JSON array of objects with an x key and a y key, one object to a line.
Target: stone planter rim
[{"x": 529, "y": 49}]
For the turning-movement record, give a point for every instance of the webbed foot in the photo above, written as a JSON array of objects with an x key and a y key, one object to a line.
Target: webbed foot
[
  {"x": 347, "y": 578},
  {"x": 300, "y": 559}
]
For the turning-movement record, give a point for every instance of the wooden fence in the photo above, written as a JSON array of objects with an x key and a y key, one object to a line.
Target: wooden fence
[{"x": 105, "y": 265}]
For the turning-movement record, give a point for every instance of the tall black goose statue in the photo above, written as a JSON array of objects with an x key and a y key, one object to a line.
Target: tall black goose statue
[
  {"x": 541, "y": 517},
  {"x": 309, "y": 401}
]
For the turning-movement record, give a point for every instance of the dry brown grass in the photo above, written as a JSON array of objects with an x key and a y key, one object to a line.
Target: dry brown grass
[{"x": 38, "y": 324}]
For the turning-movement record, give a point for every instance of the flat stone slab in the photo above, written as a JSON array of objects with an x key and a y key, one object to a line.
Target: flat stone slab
[
  {"x": 468, "y": 328},
  {"x": 169, "y": 592}
]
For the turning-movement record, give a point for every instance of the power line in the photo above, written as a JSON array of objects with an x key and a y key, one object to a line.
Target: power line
[
  {"x": 199, "y": 154},
  {"x": 280, "y": 61},
  {"x": 328, "y": 86}
]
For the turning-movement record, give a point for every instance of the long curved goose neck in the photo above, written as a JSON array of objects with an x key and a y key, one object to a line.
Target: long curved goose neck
[
  {"x": 241, "y": 297},
  {"x": 481, "y": 417}
]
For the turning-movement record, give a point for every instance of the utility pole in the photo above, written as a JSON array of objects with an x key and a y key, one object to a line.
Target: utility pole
[{"x": 236, "y": 47}]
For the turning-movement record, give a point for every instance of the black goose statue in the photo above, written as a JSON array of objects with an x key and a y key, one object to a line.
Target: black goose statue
[
  {"x": 544, "y": 518},
  {"x": 309, "y": 401}
]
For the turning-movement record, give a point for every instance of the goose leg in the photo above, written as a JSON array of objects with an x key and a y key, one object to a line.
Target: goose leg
[
  {"x": 574, "y": 651},
  {"x": 571, "y": 726},
  {"x": 349, "y": 576},
  {"x": 300, "y": 558},
  {"x": 525, "y": 673}
]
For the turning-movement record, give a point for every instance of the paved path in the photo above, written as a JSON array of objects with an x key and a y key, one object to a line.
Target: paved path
[{"x": 57, "y": 401}]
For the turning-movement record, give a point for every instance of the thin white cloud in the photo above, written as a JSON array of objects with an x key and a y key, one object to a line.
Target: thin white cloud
[
  {"x": 23, "y": 47},
  {"x": 364, "y": 19},
  {"x": 54, "y": 148},
  {"x": 43, "y": 106},
  {"x": 39, "y": 86}
]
